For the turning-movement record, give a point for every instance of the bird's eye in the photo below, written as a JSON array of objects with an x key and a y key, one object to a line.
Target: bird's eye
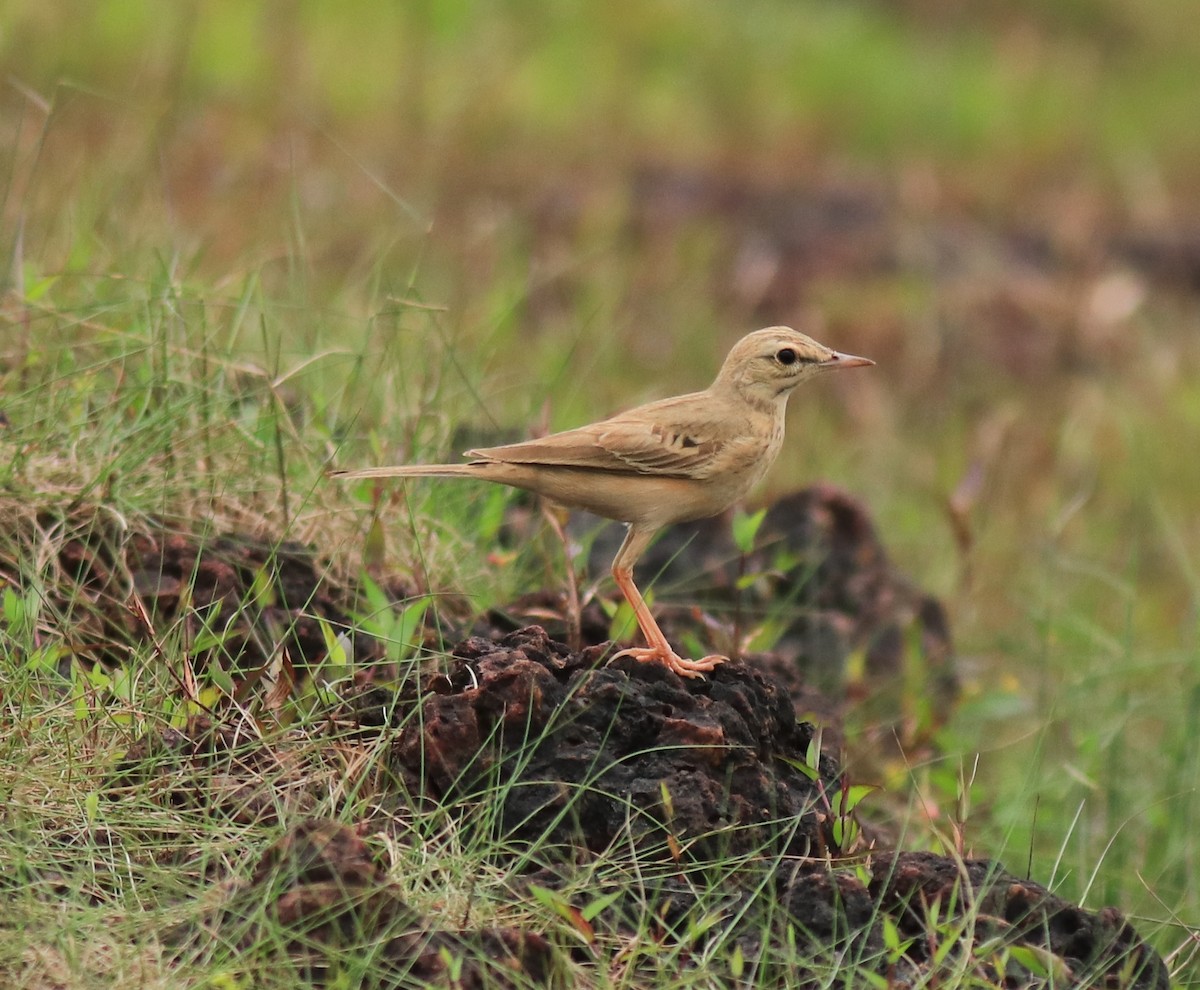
[{"x": 787, "y": 356}]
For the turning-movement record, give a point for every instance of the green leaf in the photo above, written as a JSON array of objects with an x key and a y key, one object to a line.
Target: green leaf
[
  {"x": 706, "y": 923},
  {"x": 378, "y": 604},
  {"x": 804, "y": 768},
  {"x": 737, "y": 962},
  {"x": 768, "y": 634},
  {"x": 745, "y": 528},
  {"x": 335, "y": 645},
  {"x": 891, "y": 937},
  {"x": 262, "y": 590},
  {"x": 565, "y": 910},
  {"x": 123, "y": 684},
  {"x": 548, "y": 898},
  {"x": 408, "y": 622},
  {"x": 951, "y": 939},
  {"x": 593, "y": 908},
  {"x": 45, "y": 658},
  {"x": 224, "y": 981},
  {"x": 623, "y": 620},
  {"x": 490, "y": 513},
  {"x": 453, "y": 964},
  {"x": 220, "y": 677},
  {"x": 14, "y": 610},
  {"x": 851, "y": 796},
  {"x": 813, "y": 754},
  {"x": 1041, "y": 962},
  {"x": 37, "y": 288},
  {"x": 845, "y": 832}
]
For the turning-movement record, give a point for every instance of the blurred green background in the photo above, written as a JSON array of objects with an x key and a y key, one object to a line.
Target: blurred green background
[{"x": 412, "y": 217}]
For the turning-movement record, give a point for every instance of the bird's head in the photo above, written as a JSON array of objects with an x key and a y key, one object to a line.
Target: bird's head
[{"x": 765, "y": 365}]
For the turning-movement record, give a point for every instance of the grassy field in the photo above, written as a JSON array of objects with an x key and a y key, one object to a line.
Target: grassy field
[{"x": 244, "y": 244}]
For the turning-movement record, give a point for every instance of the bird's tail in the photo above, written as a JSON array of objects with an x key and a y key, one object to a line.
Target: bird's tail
[{"x": 407, "y": 471}]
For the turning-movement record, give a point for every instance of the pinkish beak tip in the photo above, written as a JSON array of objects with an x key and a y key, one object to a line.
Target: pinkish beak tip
[{"x": 840, "y": 360}]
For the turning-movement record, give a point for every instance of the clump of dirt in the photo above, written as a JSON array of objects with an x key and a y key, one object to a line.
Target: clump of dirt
[
  {"x": 568, "y": 754},
  {"x": 1095, "y": 948},
  {"x": 583, "y": 754},
  {"x": 323, "y": 887},
  {"x": 229, "y": 769},
  {"x": 240, "y": 600}
]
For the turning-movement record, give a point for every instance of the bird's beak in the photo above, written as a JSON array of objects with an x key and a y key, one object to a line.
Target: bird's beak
[{"x": 839, "y": 360}]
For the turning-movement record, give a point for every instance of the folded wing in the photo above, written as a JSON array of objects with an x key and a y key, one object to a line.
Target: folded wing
[{"x": 673, "y": 438}]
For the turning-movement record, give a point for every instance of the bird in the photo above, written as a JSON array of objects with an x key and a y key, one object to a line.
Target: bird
[{"x": 670, "y": 461}]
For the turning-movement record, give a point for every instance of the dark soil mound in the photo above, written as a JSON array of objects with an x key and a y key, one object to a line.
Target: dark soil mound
[
  {"x": 716, "y": 772},
  {"x": 325, "y": 888},
  {"x": 712, "y": 801},
  {"x": 112, "y": 589},
  {"x": 725, "y": 814},
  {"x": 601, "y": 754}
]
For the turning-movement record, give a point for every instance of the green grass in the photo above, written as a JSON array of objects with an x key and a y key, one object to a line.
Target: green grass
[{"x": 239, "y": 247}]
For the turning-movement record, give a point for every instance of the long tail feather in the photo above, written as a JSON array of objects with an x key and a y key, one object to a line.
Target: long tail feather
[{"x": 407, "y": 471}]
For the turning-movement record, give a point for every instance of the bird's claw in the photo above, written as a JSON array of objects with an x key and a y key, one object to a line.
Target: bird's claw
[{"x": 672, "y": 660}]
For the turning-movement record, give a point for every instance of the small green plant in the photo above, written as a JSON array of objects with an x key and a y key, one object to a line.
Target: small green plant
[
  {"x": 396, "y": 625},
  {"x": 745, "y": 529}
]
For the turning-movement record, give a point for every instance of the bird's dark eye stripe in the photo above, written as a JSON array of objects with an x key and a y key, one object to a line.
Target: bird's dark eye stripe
[{"x": 787, "y": 356}]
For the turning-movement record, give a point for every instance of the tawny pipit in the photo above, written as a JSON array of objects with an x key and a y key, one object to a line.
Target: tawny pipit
[{"x": 669, "y": 461}]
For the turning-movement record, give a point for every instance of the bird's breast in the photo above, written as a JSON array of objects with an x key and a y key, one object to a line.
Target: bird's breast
[{"x": 769, "y": 452}]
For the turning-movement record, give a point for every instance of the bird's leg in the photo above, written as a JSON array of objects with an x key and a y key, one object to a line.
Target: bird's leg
[{"x": 636, "y": 541}]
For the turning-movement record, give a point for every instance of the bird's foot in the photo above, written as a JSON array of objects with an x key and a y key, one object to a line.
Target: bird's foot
[{"x": 680, "y": 665}]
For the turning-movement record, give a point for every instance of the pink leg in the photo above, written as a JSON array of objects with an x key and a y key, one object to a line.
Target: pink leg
[{"x": 658, "y": 648}]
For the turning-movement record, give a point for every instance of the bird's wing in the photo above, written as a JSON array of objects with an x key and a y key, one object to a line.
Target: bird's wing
[{"x": 679, "y": 437}]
